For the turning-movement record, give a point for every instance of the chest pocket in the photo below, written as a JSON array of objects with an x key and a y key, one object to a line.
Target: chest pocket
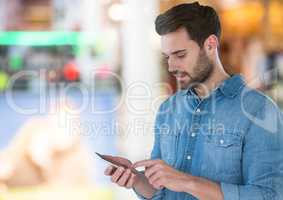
[
  {"x": 223, "y": 140},
  {"x": 222, "y": 154},
  {"x": 168, "y": 147}
]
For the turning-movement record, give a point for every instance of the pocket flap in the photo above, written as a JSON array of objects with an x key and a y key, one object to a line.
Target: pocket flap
[{"x": 224, "y": 140}]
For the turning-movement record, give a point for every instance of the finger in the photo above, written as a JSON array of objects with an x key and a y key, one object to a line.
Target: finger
[
  {"x": 158, "y": 184},
  {"x": 151, "y": 170},
  {"x": 110, "y": 170},
  {"x": 117, "y": 174},
  {"x": 131, "y": 181},
  {"x": 124, "y": 178},
  {"x": 157, "y": 175},
  {"x": 145, "y": 163}
]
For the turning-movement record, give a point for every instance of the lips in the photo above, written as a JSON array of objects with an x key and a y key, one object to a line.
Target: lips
[{"x": 180, "y": 75}]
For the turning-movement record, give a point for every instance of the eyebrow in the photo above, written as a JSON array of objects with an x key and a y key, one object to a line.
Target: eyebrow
[{"x": 175, "y": 52}]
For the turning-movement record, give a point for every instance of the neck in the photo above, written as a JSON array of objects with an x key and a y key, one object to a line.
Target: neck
[{"x": 218, "y": 75}]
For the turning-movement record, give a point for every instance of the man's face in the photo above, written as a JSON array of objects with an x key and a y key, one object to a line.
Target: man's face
[{"x": 186, "y": 60}]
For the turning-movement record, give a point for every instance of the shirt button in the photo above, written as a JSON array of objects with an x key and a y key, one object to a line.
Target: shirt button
[
  {"x": 189, "y": 157},
  {"x": 221, "y": 141},
  {"x": 193, "y": 134},
  {"x": 198, "y": 110}
]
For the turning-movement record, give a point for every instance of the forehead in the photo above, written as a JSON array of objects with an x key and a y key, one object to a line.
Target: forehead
[{"x": 177, "y": 40}]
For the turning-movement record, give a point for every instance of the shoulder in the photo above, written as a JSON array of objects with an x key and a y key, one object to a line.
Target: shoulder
[{"x": 255, "y": 101}]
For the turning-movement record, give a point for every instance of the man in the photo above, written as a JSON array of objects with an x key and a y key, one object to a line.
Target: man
[{"x": 216, "y": 138}]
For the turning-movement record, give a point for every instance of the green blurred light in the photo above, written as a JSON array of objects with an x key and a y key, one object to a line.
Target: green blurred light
[
  {"x": 39, "y": 38},
  {"x": 3, "y": 81},
  {"x": 79, "y": 40},
  {"x": 16, "y": 63}
]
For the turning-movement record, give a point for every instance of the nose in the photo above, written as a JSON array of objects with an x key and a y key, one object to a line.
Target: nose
[{"x": 172, "y": 66}]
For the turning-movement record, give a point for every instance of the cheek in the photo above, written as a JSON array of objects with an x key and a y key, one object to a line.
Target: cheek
[{"x": 188, "y": 64}]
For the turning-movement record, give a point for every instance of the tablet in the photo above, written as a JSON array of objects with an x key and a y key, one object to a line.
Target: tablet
[{"x": 118, "y": 161}]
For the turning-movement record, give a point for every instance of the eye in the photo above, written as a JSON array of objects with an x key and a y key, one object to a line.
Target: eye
[{"x": 181, "y": 55}]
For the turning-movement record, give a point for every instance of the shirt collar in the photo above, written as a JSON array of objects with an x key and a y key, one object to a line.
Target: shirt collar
[
  {"x": 232, "y": 86},
  {"x": 229, "y": 87}
]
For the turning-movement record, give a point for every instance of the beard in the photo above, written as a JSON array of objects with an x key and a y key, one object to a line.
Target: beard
[{"x": 201, "y": 72}]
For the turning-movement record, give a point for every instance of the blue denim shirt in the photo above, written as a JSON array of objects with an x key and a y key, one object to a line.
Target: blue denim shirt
[{"x": 233, "y": 137}]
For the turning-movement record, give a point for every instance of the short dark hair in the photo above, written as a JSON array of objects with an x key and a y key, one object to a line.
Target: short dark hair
[{"x": 199, "y": 21}]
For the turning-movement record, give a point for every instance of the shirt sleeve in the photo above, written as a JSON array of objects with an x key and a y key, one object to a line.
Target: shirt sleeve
[
  {"x": 262, "y": 160},
  {"x": 156, "y": 153}
]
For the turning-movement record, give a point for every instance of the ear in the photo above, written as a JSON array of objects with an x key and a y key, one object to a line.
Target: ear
[{"x": 210, "y": 44}]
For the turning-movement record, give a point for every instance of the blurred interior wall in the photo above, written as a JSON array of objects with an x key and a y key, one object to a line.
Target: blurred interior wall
[
  {"x": 2, "y": 15},
  {"x": 140, "y": 71}
]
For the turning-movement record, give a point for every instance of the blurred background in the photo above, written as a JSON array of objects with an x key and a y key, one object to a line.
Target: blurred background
[{"x": 85, "y": 76}]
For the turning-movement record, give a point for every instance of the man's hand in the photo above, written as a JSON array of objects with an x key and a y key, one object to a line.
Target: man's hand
[
  {"x": 126, "y": 178},
  {"x": 160, "y": 174},
  {"x": 121, "y": 176}
]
